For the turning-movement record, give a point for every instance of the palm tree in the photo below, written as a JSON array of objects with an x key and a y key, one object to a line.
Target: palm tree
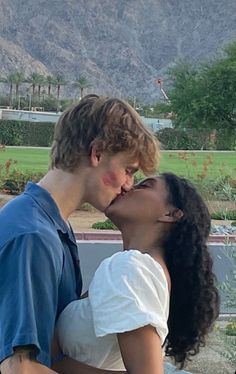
[
  {"x": 18, "y": 79},
  {"x": 9, "y": 80},
  {"x": 34, "y": 79},
  {"x": 59, "y": 81},
  {"x": 41, "y": 82},
  {"x": 82, "y": 83},
  {"x": 51, "y": 81}
]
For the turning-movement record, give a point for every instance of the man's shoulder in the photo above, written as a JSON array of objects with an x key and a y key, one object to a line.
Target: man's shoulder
[
  {"x": 22, "y": 208},
  {"x": 23, "y": 216}
]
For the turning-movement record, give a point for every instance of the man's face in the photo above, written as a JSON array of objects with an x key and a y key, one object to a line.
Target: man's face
[{"x": 112, "y": 176}]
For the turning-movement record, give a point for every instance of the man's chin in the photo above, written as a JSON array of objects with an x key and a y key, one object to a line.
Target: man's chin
[
  {"x": 108, "y": 210},
  {"x": 108, "y": 207}
]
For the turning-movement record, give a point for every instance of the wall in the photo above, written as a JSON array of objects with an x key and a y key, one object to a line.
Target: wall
[{"x": 93, "y": 252}]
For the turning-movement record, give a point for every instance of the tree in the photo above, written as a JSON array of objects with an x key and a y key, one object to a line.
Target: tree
[
  {"x": 9, "y": 80},
  {"x": 41, "y": 83},
  {"x": 220, "y": 78},
  {"x": 51, "y": 81},
  {"x": 205, "y": 96},
  {"x": 59, "y": 81},
  {"x": 18, "y": 78},
  {"x": 185, "y": 95},
  {"x": 34, "y": 79},
  {"x": 82, "y": 83}
]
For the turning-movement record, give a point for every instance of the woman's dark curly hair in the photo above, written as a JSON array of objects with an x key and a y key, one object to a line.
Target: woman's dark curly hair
[{"x": 194, "y": 299}]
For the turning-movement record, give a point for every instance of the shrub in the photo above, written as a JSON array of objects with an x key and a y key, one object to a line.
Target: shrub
[
  {"x": 105, "y": 225},
  {"x": 229, "y": 348},
  {"x": 15, "y": 181},
  {"x": 230, "y": 329},
  {"x": 224, "y": 215},
  {"x": 174, "y": 139},
  {"x": 226, "y": 139},
  {"x": 26, "y": 133},
  {"x": 192, "y": 139},
  {"x": 225, "y": 187},
  {"x": 229, "y": 334}
]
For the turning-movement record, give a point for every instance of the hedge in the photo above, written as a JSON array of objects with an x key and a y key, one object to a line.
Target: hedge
[
  {"x": 193, "y": 139},
  {"x": 37, "y": 134},
  {"x": 20, "y": 133}
]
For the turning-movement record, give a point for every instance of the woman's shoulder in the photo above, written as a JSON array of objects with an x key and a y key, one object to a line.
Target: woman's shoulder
[
  {"x": 133, "y": 266},
  {"x": 133, "y": 259},
  {"x": 129, "y": 290}
]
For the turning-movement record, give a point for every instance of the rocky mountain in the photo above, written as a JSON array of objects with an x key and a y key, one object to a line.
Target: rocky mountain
[{"x": 121, "y": 46}]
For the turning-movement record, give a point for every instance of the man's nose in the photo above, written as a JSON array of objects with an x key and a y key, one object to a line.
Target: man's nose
[{"x": 129, "y": 182}]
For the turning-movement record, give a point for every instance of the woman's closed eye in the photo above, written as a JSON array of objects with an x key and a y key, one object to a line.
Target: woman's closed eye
[
  {"x": 147, "y": 183},
  {"x": 141, "y": 185}
]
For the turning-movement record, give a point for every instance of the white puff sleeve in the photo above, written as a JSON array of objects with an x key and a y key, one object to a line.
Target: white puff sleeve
[{"x": 129, "y": 290}]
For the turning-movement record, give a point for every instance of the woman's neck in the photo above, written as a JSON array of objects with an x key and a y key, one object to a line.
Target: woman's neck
[
  {"x": 144, "y": 239},
  {"x": 147, "y": 241}
]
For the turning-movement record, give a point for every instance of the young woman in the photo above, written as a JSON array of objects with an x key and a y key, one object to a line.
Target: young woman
[{"x": 156, "y": 296}]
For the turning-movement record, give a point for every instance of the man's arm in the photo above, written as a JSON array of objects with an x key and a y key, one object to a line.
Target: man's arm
[
  {"x": 29, "y": 291},
  {"x": 23, "y": 361}
]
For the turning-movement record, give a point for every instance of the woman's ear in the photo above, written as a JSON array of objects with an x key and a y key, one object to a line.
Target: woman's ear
[
  {"x": 173, "y": 216},
  {"x": 95, "y": 155}
]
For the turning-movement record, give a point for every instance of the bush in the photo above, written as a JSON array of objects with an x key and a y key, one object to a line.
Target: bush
[
  {"x": 229, "y": 334},
  {"x": 225, "y": 188},
  {"x": 173, "y": 138},
  {"x": 105, "y": 225},
  {"x": 33, "y": 134},
  {"x": 230, "y": 329},
  {"x": 224, "y": 215},
  {"x": 15, "y": 181},
  {"x": 226, "y": 139},
  {"x": 192, "y": 139}
]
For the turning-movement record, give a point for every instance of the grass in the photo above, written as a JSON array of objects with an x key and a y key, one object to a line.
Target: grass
[
  {"x": 192, "y": 164},
  {"x": 188, "y": 164},
  {"x": 30, "y": 159}
]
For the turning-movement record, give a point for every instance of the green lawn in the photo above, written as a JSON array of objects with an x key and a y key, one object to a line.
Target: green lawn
[
  {"x": 191, "y": 164},
  {"x": 188, "y": 164},
  {"x": 27, "y": 158}
]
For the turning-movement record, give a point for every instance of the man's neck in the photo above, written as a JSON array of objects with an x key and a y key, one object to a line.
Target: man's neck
[{"x": 67, "y": 190}]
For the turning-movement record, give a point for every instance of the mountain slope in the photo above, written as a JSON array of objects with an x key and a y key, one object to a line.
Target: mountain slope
[{"x": 120, "y": 45}]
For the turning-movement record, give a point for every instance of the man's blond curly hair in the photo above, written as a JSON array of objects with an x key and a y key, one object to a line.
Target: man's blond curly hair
[{"x": 109, "y": 123}]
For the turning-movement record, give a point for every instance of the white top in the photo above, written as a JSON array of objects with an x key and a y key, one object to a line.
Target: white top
[{"x": 129, "y": 290}]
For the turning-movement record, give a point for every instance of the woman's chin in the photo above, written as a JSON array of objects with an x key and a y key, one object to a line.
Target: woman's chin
[{"x": 108, "y": 214}]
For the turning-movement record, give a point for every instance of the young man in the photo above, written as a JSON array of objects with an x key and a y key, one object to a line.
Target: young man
[{"x": 98, "y": 145}]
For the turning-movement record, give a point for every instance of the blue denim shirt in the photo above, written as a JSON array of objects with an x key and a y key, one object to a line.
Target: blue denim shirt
[{"x": 39, "y": 271}]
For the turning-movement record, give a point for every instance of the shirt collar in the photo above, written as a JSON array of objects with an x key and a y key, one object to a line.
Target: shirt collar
[{"x": 43, "y": 198}]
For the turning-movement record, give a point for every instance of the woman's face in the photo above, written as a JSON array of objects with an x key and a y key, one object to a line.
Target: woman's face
[{"x": 145, "y": 203}]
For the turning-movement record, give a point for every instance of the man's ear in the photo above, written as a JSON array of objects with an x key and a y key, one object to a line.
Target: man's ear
[
  {"x": 172, "y": 216},
  {"x": 95, "y": 155}
]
